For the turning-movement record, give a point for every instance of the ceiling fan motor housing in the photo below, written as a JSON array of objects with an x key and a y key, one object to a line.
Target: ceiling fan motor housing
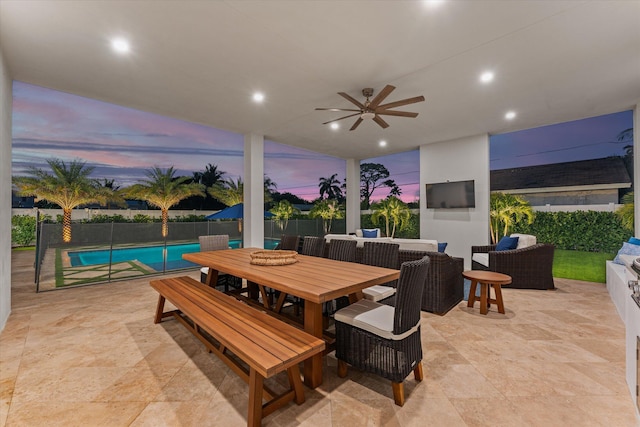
[{"x": 367, "y": 92}]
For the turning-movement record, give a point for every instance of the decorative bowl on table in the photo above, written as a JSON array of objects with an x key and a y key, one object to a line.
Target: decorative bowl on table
[{"x": 274, "y": 257}]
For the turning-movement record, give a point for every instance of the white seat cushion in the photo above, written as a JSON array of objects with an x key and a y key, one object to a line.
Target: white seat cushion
[
  {"x": 524, "y": 240},
  {"x": 204, "y": 270},
  {"x": 378, "y": 292},
  {"x": 372, "y": 317},
  {"x": 482, "y": 258}
]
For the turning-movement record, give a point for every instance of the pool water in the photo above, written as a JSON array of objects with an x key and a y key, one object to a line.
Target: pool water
[{"x": 151, "y": 256}]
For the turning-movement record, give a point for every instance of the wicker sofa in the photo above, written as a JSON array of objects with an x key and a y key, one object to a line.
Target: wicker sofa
[
  {"x": 530, "y": 267},
  {"x": 445, "y": 284}
]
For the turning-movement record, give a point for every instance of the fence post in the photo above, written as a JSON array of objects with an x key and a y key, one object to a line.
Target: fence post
[{"x": 110, "y": 251}]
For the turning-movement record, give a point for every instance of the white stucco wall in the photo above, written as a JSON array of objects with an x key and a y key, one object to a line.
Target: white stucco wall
[
  {"x": 456, "y": 160},
  {"x": 5, "y": 192}
]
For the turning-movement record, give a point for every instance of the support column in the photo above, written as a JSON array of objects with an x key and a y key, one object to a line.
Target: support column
[
  {"x": 353, "y": 195},
  {"x": 636, "y": 170},
  {"x": 253, "y": 222}
]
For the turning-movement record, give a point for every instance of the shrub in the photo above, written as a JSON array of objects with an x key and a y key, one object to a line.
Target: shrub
[
  {"x": 588, "y": 231},
  {"x": 23, "y": 230}
]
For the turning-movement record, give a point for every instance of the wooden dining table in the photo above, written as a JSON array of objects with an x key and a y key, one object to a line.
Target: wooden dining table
[{"x": 312, "y": 279}]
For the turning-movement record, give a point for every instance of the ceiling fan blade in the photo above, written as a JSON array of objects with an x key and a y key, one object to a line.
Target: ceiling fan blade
[
  {"x": 337, "y": 109},
  {"x": 397, "y": 113},
  {"x": 402, "y": 102},
  {"x": 356, "y": 124},
  {"x": 345, "y": 117},
  {"x": 381, "y": 122},
  {"x": 381, "y": 96},
  {"x": 351, "y": 99}
]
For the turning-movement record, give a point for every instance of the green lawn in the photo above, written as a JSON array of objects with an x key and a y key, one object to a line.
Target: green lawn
[{"x": 587, "y": 266}]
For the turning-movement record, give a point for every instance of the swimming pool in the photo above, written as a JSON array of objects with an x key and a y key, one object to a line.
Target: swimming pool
[{"x": 152, "y": 256}]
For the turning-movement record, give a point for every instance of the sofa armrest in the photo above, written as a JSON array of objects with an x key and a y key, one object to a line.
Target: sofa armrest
[{"x": 482, "y": 249}]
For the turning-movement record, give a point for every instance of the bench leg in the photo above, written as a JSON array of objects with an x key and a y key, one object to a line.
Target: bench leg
[
  {"x": 255, "y": 398},
  {"x": 296, "y": 383},
  {"x": 159, "y": 310}
]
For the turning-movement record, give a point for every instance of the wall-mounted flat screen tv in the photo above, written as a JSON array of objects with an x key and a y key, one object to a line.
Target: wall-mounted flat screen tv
[{"x": 451, "y": 195}]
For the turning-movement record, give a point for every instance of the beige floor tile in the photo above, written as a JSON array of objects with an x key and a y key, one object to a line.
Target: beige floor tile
[{"x": 92, "y": 356}]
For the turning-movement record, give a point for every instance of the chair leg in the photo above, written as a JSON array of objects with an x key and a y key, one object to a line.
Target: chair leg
[
  {"x": 342, "y": 368},
  {"x": 418, "y": 373},
  {"x": 398, "y": 393}
]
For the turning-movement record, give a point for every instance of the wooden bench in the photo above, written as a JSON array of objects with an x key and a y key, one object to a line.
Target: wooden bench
[{"x": 265, "y": 344}]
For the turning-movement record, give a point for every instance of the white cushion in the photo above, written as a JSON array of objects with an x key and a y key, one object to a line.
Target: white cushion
[
  {"x": 524, "y": 240},
  {"x": 362, "y": 240},
  {"x": 358, "y": 233},
  {"x": 329, "y": 237},
  {"x": 482, "y": 258},
  {"x": 372, "y": 317},
  {"x": 378, "y": 292},
  {"x": 417, "y": 245},
  {"x": 204, "y": 270}
]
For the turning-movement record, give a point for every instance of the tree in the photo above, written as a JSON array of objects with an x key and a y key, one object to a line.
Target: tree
[
  {"x": 231, "y": 192},
  {"x": 626, "y": 211},
  {"x": 330, "y": 187},
  {"x": 163, "y": 190},
  {"x": 395, "y": 212},
  {"x": 373, "y": 176},
  {"x": 68, "y": 187},
  {"x": 328, "y": 210},
  {"x": 228, "y": 191},
  {"x": 282, "y": 212},
  {"x": 506, "y": 210}
]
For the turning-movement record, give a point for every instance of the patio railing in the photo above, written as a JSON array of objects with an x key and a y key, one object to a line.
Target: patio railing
[{"x": 105, "y": 252}]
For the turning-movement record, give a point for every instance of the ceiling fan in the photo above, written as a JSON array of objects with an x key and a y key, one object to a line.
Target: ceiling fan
[{"x": 373, "y": 109}]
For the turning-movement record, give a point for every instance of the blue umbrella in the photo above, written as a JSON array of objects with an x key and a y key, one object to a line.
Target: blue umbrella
[{"x": 233, "y": 212}]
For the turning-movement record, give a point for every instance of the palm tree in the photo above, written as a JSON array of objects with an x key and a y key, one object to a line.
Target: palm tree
[
  {"x": 328, "y": 210},
  {"x": 68, "y": 187},
  {"x": 395, "y": 212},
  {"x": 163, "y": 190},
  {"x": 626, "y": 211},
  {"x": 282, "y": 212},
  {"x": 331, "y": 187},
  {"x": 228, "y": 191},
  {"x": 505, "y": 210}
]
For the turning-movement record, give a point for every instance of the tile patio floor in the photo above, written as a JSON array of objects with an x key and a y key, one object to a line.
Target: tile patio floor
[{"x": 93, "y": 357}]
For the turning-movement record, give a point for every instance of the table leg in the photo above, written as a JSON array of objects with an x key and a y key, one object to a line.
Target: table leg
[
  {"x": 484, "y": 288},
  {"x": 313, "y": 326},
  {"x": 472, "y": 293},
  {"x": 498, "y": 290}
]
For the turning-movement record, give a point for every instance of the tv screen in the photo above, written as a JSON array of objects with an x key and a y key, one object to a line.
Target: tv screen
[{"x": 451, "y": 195}]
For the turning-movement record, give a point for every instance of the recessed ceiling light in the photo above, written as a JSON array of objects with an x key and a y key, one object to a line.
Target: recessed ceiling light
[
  {"x": 120, "y": 45},
  {"x": 258, "y": 97},
  {"x": 433, "y": 3},
  {"x": 510, "y": 115},
  {"x": 382, "y": 143},
  {"x": 487, "y": 77},
  {"x": 335, "y": 126}
]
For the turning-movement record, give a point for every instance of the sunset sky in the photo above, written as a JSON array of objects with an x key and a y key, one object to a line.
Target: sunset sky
[{"x": 122, "y": 142}]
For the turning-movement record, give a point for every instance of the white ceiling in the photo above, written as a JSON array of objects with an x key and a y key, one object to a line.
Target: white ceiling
[{"x": 200, "y": 61}]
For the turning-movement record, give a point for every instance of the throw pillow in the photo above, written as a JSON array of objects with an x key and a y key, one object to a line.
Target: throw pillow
[
  {"x": 634, "y": 241},
  {"x": 442, "y": 246},
  {"x": 627, "y": 249},
  {"x": 370, "y": 233},
  {"x": 507, "y": 243}
]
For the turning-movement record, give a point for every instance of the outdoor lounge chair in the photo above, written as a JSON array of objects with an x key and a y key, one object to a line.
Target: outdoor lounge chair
[
  {"x": 215, "y": 243},
  {"x": 385, "y": 340},
  {"x": 530, "y": 267}
]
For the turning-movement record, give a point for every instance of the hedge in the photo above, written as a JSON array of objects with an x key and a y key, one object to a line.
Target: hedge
[{"x": 588, "y": 231}]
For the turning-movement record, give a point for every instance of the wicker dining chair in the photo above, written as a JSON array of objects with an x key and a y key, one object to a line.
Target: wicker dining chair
[
  {"x": 380, "y": 254},
  {"x": 215, "y": 243},
  {"x": 382, "y": 339},
  {"x": 312, "y": 246},
  {"x": 289, "y": 242},
  {"x": 342, "y": 250}
]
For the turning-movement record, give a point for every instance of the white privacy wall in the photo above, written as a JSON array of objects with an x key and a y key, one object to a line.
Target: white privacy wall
[
  {"x": 5, "y": 192},
  {"x": 456, "y": 160}
]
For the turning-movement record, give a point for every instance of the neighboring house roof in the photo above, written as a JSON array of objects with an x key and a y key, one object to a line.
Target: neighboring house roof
[{"x": 609, "y": 171}]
